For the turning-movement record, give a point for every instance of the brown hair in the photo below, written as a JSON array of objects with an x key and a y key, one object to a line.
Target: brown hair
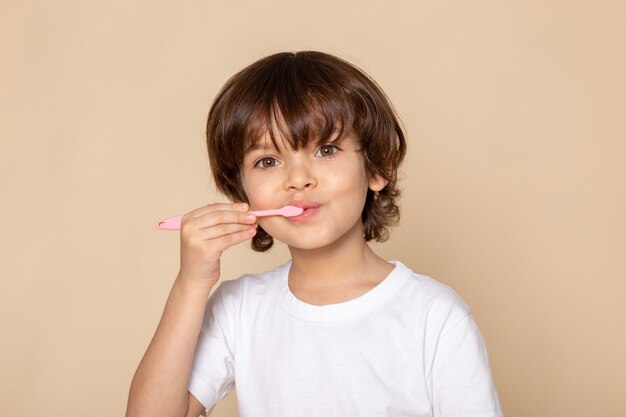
[{"x": 313, "y": 94}]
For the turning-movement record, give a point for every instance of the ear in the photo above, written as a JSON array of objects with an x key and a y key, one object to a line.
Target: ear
[{"x": 377, "y": 183}]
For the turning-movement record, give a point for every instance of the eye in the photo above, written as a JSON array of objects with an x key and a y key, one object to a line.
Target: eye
[
  {"x": 327, "y": 151},
  {"x": 266, "y": 162}
]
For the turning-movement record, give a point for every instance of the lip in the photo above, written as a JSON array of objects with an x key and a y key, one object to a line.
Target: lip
[
  {"x": 305, "y": 204},
  {"x": 310, "y": 210}
]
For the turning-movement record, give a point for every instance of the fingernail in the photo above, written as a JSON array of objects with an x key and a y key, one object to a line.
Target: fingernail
[{"x": 250, "y": 216}]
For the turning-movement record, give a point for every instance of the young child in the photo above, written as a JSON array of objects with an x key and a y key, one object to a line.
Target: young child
[{"x": 337, "y": 330}]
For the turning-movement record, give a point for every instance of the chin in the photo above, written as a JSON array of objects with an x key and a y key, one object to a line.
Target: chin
[{"x": 306, "y": 243}]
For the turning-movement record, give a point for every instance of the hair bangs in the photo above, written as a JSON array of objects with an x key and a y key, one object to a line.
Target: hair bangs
[{"x": 298, "y": 109}]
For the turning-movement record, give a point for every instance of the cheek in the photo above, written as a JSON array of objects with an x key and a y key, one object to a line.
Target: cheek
[
  {"x": 260, "y": 194},
  {"x": 349, "y": 193},
  {"x": 349, "y": 182}
]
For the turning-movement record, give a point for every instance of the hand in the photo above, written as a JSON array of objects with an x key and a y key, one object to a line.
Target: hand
[{"x": 205, "y": 233}]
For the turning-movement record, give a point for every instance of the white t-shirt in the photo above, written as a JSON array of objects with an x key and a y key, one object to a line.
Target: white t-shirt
[{"x": 408, "y": 347}]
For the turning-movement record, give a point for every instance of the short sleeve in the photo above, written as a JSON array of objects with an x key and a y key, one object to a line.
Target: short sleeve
[
  {"x": 461, "y": 380},
  {"x": 212, "y": 371}
]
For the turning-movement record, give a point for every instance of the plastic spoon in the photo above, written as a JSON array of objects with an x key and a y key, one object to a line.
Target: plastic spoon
[{"x": 173, "y": 223}]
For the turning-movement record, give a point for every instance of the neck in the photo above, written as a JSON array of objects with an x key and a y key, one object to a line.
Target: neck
[{"x": 343, "y": 263}]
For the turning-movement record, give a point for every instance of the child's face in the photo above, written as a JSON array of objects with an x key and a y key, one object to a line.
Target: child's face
[{"x": 330, "y": 178}]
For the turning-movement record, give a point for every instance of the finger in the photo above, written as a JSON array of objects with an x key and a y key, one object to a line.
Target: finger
[
  {"x": 224, "y": 229},
  {"x": 218, "y": 217},
  {"x": 226, "y": 241},
  {"x": 217, "y": 206}
]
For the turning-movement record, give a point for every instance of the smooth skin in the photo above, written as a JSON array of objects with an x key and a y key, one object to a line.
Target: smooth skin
[
  {"x": 331, "y": 262},
  {"x": 159, "y": 387}
]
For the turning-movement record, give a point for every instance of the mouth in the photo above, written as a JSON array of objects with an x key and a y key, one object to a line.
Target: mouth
[{"x": 310, "y": 209}]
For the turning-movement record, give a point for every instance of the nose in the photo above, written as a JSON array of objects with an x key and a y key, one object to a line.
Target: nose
[{"x": 300, "y": 177}]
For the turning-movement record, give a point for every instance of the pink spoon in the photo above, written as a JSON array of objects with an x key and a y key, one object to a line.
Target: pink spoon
[{"x": 173, "y": 223}]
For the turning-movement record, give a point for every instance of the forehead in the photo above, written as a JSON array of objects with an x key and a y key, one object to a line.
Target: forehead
[{"x": 295, "y": 122}]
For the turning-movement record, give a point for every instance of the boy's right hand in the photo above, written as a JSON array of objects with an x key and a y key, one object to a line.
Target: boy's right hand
[{"x": 205, "y": 233}]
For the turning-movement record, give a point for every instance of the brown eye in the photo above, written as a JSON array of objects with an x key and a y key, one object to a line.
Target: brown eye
[
  {"x": 327, "y": 150},
  {"x": 266, "y": 163}
]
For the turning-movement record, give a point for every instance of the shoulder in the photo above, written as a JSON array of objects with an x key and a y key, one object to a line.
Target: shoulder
[{"x": 433, "y": 299}]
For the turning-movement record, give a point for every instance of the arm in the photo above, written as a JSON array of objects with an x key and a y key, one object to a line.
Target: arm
[
  {"x": 195, "y": 408},
  {"x": 461, "y": 377},
  {"x": 160, "y": 385}
]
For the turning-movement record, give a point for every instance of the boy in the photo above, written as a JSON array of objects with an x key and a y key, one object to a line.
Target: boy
[{"x": 337, "y": 330}]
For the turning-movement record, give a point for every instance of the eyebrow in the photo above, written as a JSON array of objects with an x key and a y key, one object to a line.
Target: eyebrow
[{"x": 264, "y": 146}]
